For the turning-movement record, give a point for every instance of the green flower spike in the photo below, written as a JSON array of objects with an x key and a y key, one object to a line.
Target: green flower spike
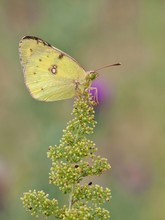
[{"x": 73, "y": 160}]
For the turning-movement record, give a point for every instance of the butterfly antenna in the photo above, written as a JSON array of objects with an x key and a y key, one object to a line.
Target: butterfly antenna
[{"x": 114, "y": 64}]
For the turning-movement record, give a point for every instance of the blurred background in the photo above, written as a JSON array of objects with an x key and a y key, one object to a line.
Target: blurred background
[{"x": 131, "y": 122}]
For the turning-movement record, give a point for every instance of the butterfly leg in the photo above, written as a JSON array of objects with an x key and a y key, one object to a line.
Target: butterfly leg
[{"x": 95, "y": 95}]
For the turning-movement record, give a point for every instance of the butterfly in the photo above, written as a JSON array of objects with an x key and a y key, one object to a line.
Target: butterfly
[{"x": 50, "y": 74}]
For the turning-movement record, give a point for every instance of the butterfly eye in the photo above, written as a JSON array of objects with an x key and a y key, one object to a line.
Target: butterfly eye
[{"x": 92, "y": 75}]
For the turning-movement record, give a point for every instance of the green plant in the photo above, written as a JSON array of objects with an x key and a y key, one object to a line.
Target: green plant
[{"x": 72, "y": 160}]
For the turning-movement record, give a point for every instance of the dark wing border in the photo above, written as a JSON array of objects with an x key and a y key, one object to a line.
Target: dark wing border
[{"x": 49, "y": 45}]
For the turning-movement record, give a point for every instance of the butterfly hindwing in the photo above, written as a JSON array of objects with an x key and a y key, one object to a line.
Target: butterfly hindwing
[{"x": 49, "y": 73}]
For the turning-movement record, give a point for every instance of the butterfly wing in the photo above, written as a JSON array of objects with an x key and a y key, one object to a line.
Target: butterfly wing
[{"x": 50, "y": 74}]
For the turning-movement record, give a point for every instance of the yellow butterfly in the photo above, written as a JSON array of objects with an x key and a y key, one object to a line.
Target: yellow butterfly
[{"x": 50, "y": 74}]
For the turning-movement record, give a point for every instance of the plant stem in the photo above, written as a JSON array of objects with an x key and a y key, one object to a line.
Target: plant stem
[{"x": 70, "y": 198}]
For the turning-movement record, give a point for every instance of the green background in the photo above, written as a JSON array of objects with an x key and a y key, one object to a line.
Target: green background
[{"x": 131, "y": 122}]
